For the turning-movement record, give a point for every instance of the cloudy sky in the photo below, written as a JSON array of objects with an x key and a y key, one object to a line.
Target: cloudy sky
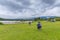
[{"x": 29, "y": 8}]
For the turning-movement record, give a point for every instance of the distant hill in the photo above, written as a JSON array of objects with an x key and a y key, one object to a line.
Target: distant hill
[
  {"x": 47, "y": 17},
  {"x": 37, "y": 18},
  {"x": 2, "y": 19}
]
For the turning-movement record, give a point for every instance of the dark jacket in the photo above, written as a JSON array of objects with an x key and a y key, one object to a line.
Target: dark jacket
[{"x": 39, "y": 25}]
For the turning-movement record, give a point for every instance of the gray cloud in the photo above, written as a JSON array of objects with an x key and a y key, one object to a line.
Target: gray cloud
[
  {"x": 14, "y": 6},
  {"x": 51, "y": 2},
  {"x": 27, "y": 8},
  {"x": 24, "y": 2}
]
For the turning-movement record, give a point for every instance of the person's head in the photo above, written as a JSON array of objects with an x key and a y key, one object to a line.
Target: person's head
[{"x": 38, "y": 22}]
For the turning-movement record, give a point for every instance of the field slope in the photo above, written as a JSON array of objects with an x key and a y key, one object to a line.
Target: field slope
[{"x": 49, "y": 31}]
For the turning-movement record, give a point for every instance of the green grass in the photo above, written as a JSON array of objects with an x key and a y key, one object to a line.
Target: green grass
[{"x": 49, "y": 31}]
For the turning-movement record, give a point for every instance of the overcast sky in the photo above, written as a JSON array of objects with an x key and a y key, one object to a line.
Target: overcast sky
[{"x": 29, "y": 8}]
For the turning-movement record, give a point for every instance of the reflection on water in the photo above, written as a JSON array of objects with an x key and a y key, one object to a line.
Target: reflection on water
[
  {"x": 10, "y": 22},
  {"x": 14, "y": 22}
]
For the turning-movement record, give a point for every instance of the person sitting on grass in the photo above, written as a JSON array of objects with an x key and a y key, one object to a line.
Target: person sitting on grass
[
  {"x": 39, "y": 25},
  {"x": 29, "y": 23}
]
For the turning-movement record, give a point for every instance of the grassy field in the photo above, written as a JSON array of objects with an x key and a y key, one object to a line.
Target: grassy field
[{"x": 49, "y": 31}]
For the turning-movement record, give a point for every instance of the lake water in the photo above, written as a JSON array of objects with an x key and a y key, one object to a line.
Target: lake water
[
  {"x": 14, "y": 22},
  {"x": 10, "y": 22}
]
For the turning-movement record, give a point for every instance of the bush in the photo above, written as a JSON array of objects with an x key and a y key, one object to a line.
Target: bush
[
  {"x": 1, "y": 23},
  {"x": 57, "y": 19}
]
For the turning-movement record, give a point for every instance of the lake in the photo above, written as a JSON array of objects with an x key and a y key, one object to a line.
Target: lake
[
  {"x": 14, "y": 22},
  {"x": 10, "y": 22}
]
